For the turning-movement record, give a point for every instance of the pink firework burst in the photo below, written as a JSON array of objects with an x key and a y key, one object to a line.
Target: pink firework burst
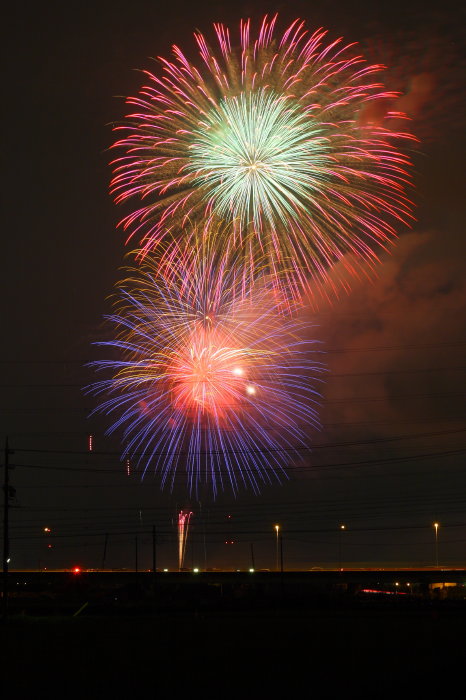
[{"x": 272, "y": 138}]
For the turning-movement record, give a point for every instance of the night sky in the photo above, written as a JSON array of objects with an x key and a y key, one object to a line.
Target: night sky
[{"x": 389, "y": 459}]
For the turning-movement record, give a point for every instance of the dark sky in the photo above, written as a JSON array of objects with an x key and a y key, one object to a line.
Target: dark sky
[{"x": 388, "y": 460}]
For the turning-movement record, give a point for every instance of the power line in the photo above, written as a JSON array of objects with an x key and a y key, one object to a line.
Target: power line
[
  {"x": 328, "y": 376},
  {"x": 350, "y": 443},
  {"x": 262, "y": 531},
  {"x": 309, "y": 511},
  {"x": 239, "y": 470},
  {"x": 374, "y": 348},
  {"x": 321, "y": 404},
  {"x": 404, "y": 421}
]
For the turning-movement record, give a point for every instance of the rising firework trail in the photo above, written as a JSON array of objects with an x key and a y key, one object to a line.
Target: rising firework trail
[
  {"x": 184, "y": 517},
  {"x": 213, "y": 383},
  {"x": 272, "y": 135}
]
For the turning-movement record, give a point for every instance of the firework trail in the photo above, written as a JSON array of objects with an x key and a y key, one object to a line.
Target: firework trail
[
  {"x": 215, "y": 383},
  {"x": 271, "y": 136},
  {"x": 184, "y": 517}
]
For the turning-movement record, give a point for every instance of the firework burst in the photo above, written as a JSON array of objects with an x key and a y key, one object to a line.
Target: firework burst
[
  {"x": 272, "y": 137},
  {"x": 214, "y": 383}
]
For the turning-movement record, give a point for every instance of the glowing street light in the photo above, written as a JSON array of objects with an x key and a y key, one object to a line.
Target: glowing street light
[{"x": 436, "y": 526}]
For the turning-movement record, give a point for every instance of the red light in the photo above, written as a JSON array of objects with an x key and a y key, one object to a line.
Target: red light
[
  {"x": 49, "y": 546},
  {"x": 373, "y": 590},
  {"x": 76, "y": 570}
]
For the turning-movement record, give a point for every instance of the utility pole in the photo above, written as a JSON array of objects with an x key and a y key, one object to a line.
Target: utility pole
[
  {"x": 104, "y": 556},
  {"x": 277, "y": 547},
  {"x": 6, "y": 532},
  {"x": 340, "y": 547},
  {"x": 154, "y": 550},
  {"x": 251, "y": 544},
  {"x": 436, "y": 526}
]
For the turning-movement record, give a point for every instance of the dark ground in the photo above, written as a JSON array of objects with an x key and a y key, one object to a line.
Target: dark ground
[{"x": 369, "y": 650}]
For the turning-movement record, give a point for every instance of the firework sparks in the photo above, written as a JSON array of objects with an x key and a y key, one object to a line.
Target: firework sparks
[
  {"x": 271, "y": 137},
  {"x": 214, "y": 382}
]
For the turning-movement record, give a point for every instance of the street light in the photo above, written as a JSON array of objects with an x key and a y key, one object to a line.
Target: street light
[
  {"x": 277, "y": 530},
  {"x": 342, "y": 527},
  {"x": 436, "y": 526}
]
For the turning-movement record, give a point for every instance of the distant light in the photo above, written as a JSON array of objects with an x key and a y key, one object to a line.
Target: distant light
[
  {"x": 374, "y": 590},
  {"x": 250, "y": 390},
  {"x": 342, "y": 527},
  {"x": 396, "y": 583},
  {"x": 165, "y": 570},
  {"x": 251, "y": 571},
  {"x": 47, "y": 529},
  {"x": 238, "y": 371},
  {"x": 128, "y": 468},
  {"x": 90, "y": 442},
  {"x": 196, "y": 571},
  {"x": 49, "y": 546},
  {"x": 277, "y": 527},
  {"x": 8, "y": 560},
  {"x": 76, "y": 570}
]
